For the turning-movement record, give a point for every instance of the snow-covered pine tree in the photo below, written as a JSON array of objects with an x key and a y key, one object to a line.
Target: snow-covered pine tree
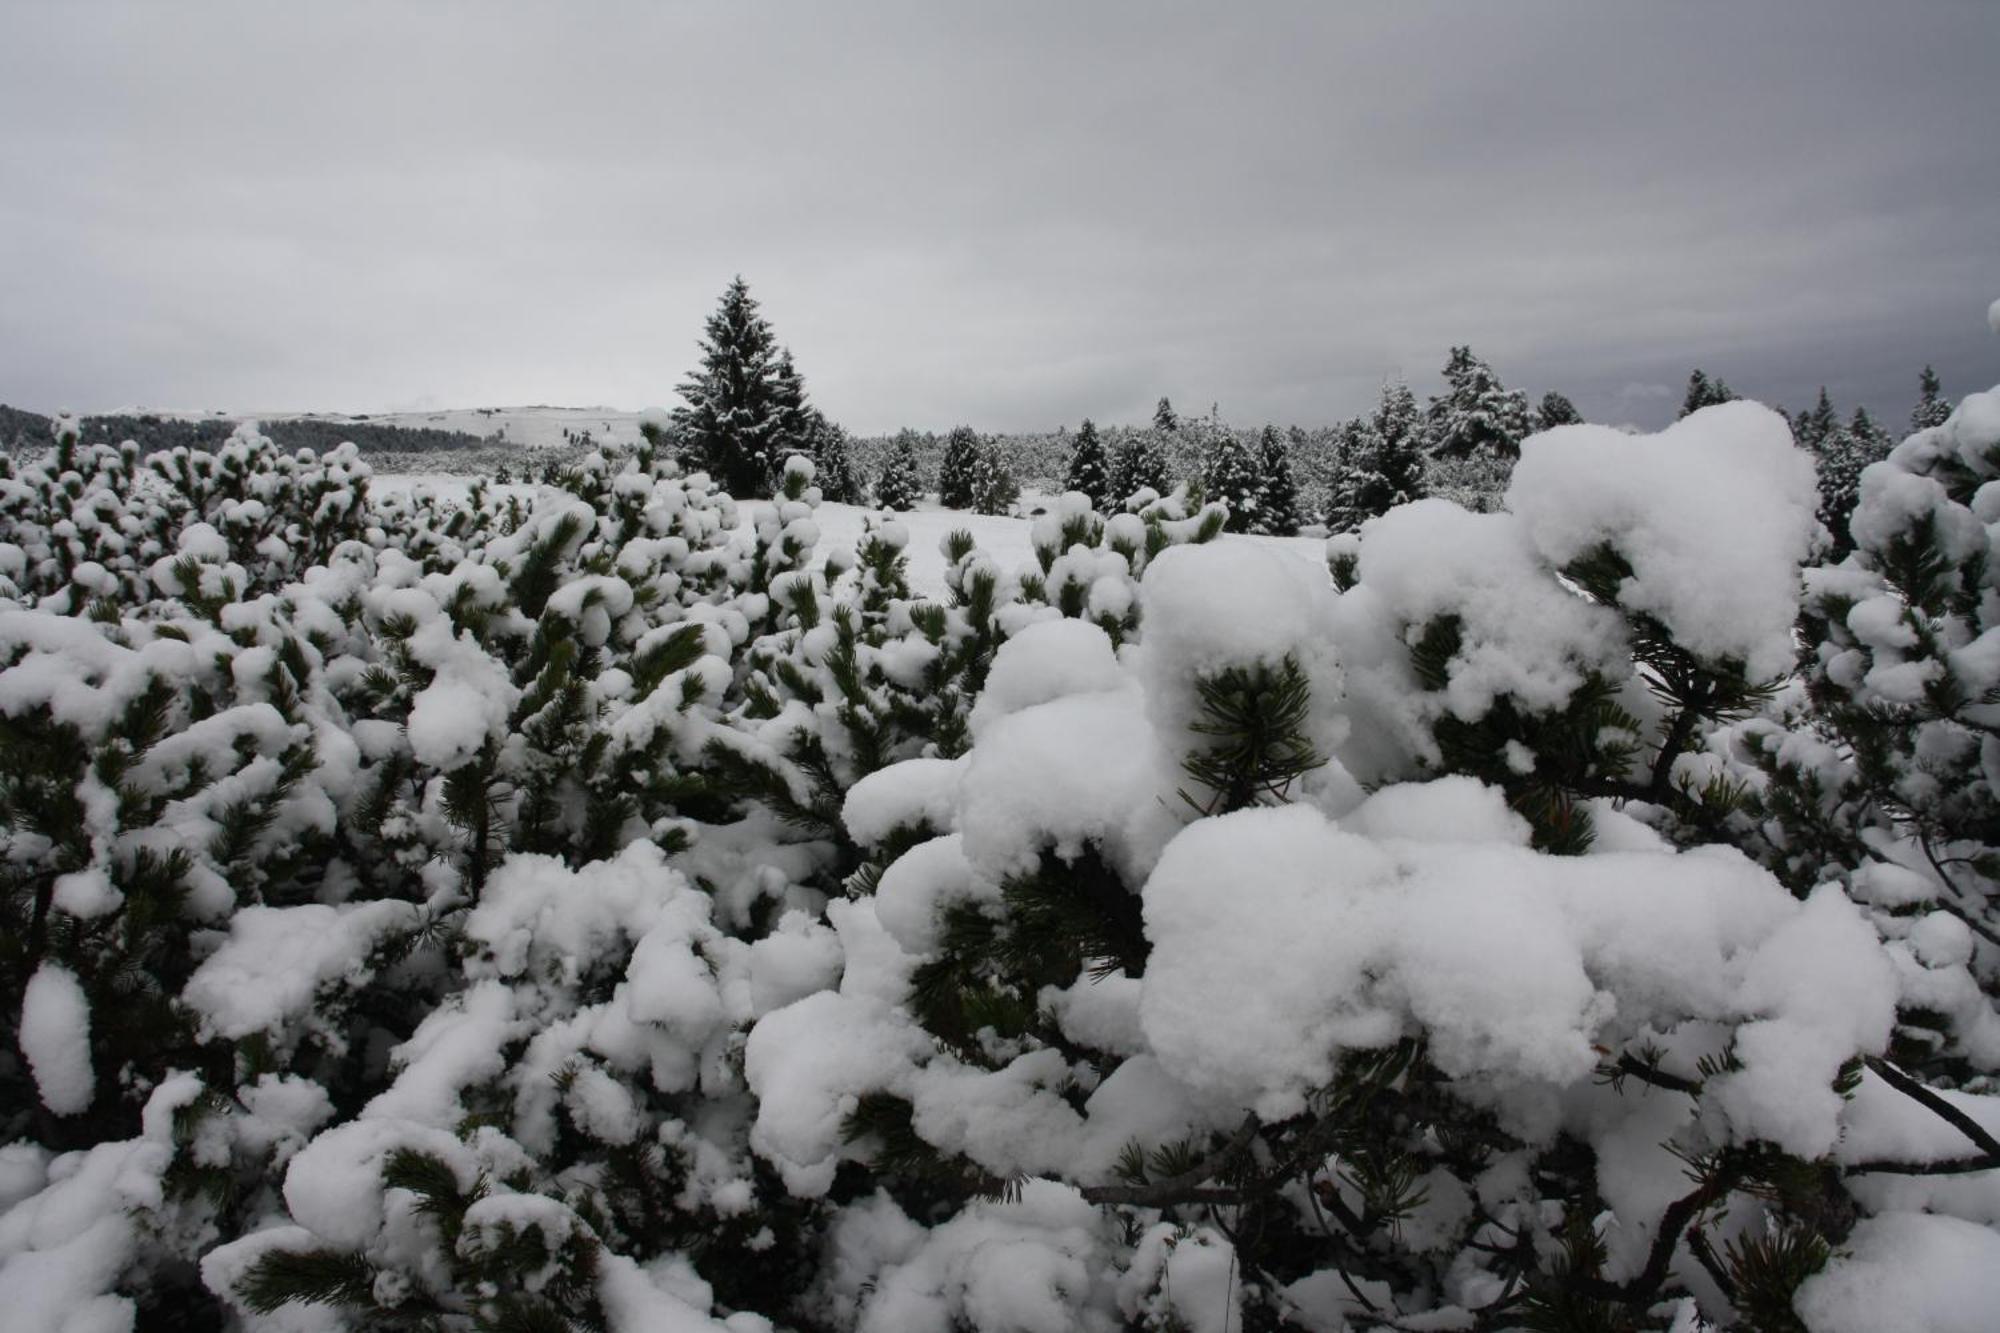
[
  {"x": 900, "y": 485},
  {"x": 1390, "y": 463},
  {"x": 1230, "y": 475},
  {"x": 1840, "y": 456},
  {"x": 833, "y": 466},
  {"x": 1475, "y": 414},
  {"x": 1137, "y": 464},
  {"x": 1704, "y": 392},
  {"x": 992, "y": 488},
  {"x": 1932, "y": 408},
  {"x": 1278, "y": 496},
  {"x": 1554, "y": 410},
  {"x": 956, "y": 470},
  {"x": 1812, "y": 426},
  {"x": 1352, "y": 444},
  {"x": 1088, "y": 470},
  {"x": 795, "y": 415},
  {"x": 733, "y": 421},
  {"x": 1164, "y": 419}
]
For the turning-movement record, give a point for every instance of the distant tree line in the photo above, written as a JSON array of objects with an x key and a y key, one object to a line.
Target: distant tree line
[{"x": 19, "y": 429}]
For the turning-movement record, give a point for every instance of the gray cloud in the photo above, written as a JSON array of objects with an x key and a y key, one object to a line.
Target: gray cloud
[{"x": 1010, "y": 215}]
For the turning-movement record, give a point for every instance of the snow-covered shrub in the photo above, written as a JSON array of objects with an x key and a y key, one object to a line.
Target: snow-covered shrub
[
  {"x": 1278, "y": 931},
  {"x": 590, "y": 905}
]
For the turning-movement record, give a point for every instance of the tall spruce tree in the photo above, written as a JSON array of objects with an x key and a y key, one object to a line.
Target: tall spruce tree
[
  {"x": 1704, "y": 392},
  {"x": 1164, "y": 418},
  {"x": 957, "y": 479},
  {"x": 1932, "y": 409},
  {"x": 1229, "y": 474},
  {"x": 1475, "y": 414},
  {"x": 1390, "y": 468},
  {"x": 1351, "y": 445},
  {"x": 736, "y": 414},
  {"x": 1279, "y": 495},
  {"x": 1089, "y": 470}
]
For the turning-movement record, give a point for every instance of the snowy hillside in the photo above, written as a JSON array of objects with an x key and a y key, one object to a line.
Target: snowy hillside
[{"x": 538, "y": 427}]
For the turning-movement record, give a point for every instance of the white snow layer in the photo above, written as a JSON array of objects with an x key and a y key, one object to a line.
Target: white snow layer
[
  {"x": 1714, "y": 515},
  {"x": 55, "y": 1036},
  {"x": 1907, "y": 1273}
]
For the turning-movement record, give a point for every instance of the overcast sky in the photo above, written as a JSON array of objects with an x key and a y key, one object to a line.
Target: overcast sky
[{"x": 1012, "y": 215}]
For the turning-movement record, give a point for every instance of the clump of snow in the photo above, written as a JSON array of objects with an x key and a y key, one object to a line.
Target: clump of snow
[
  {"x": 55, "y": 1036},
  {"x": 1517, "y": 964},
  {"x": 904, "y": 795},
  {"x": 1084, "y": 768},
  {"x": 1523, "y": 634},
  {"x": 1047, "y": 661},
  {"x": 1184, "y": 1279},
  {"x": 1218, "y": 605},
  {"x": 1907, "y": 1273},
  {"x": 278, "y": 960},
  {"x": 808, "y": 1063},
  {"x": 1714, "y": 515},
  {"x": 1038, "y": 1264}
]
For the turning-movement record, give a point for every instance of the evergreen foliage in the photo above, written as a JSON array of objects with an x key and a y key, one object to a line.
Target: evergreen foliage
[
  {"x": 900, "y": 485},
  {"x": 1932, "y": 408},
  {"x": 1278, "y": 496},
  {"x": 1554, "y": 410},
  {"x": 1089, "y": 471},
  {"x": 1812, "y": 427},
  {"x": 1475, "y": 415},
  {"x": 1138, "y": 464},
  {"x": 593, "y": 906},
  {"x": 1390, "y": 462},
  {"x": 956, "y": 482},
  {"x": 833, "y": 465},
  {"x": 1705, "y": 392},
  {"x": 992, "y": 489},
  {"x": 743, "y": 409},
  {"x": 1230, "y": 476}
]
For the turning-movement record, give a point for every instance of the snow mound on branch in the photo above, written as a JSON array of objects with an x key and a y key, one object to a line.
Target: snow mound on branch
[
  {"x": 1907, "y": 1273},
  {"x": 1041, "y": 1263},
  {"x": 1523, "y": 633},
  {"x": 1714, "y": 515},
  {"x": 913, "y": 792},
  {"x": 1218, "y": 605},
  {"x": 1047, "y": 661},
  {"x": 1074, "y": 770},
  {"x": 277, "y": 960},
  {"x": 55, "y": 1036},
  {"x": 1280, "y": 941},
  {"x": 808, "y": 1064}
]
